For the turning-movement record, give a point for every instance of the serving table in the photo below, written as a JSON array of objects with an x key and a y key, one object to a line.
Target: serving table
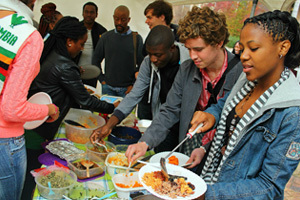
[{"x": 103, "y": 182}]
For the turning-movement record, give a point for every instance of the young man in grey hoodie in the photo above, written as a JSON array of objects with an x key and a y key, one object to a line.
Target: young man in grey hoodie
[{"x": 157, "y": 73}]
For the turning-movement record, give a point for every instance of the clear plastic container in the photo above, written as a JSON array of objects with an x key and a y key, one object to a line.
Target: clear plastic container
[
  {"x": 74, "y": 163},
  {"x": 100, "y": 151},
  {"x": 79, "y": 134},
  {"x": 61, "y": 181}
]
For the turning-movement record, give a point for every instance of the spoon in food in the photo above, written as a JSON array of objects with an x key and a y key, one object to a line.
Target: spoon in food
[
  {"x": 163, "y": 168},
  {"x": 163, "y": 159},
  {"x": 87, "y": 164},
  {"x": 50, "y": 189},
  {"x": 101, "y": 145},
  {"x": 69, "y": 121}
]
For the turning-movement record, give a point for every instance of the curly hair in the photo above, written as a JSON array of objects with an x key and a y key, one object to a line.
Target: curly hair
[
  {"x": 281, "y": 26},
  {"x": 205, "y": 23},
  {"x": 161, "y": 7}
]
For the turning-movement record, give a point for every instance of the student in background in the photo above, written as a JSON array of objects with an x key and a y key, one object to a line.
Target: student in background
[{"x": 49, "y": 18}]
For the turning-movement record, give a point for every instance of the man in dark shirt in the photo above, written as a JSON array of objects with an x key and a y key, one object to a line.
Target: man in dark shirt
[
  {"x": 122, "y": 50},
  {"x": 95, "y": 30}
]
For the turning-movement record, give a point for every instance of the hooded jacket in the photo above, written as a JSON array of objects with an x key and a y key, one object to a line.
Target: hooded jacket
[{"x": 144, "y": 82}]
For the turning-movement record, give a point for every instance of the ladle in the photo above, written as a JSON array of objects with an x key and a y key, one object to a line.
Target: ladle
[
  {"x": 87, "y": 164},
  {"x": 69, "y": 121}
]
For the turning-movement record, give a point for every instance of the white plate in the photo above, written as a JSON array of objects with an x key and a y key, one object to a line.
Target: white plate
[
  {"x": 197, "y": 181},
  {"x": 38, "y": 98},
  {"x": 90, "y": 72},
  {"x": 182, "y": 159}
]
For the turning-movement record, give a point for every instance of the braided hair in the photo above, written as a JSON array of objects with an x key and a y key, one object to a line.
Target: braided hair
[
  {"x": 281, "y": 26},
  {"x": 66, "y": 27}
]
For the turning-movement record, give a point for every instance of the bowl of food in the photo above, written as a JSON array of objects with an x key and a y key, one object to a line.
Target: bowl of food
[
  {"x": 100, "y": 151},
  {"x": 126, "y": 184},
  {"x": 89, "y": 120},
  {"x": 86, "y": 165},
  {"x": 124, "y": 135},
  {"x": 54, "y": 182}
]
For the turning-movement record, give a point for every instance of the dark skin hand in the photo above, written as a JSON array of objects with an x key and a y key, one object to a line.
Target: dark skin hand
[{"x": 102, "y": 132}]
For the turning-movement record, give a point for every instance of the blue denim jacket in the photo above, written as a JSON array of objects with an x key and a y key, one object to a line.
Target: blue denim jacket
[{"x": 267, "y": 151}]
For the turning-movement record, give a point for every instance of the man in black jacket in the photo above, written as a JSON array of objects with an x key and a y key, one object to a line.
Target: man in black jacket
[{"x": 95, "y": 30}]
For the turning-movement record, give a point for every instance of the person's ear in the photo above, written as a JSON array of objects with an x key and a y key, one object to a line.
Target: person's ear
[
  {"x": 220, "y": 44},
  {"x": 172, "y": 48},
  {"x": 69, "y": 42},
  {"x": 129, "y": 19},
  {"x": 284, "y": 47},
  {"x": 162, "y": 18}
]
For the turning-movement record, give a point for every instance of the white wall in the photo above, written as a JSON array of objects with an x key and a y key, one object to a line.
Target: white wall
[{"x": 105, "y": 12}]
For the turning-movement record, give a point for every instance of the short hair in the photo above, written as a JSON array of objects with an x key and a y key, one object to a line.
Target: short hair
[
  {"x": 161, "y": 7},
  {"x": 281, "y": 26},
  {"x": 90, "y": 4},
  {"x": 205, "y": 23},
  {"x": 160, "y": 35}
]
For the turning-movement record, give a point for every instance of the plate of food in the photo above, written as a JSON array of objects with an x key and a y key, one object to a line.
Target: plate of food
[
  {"x": 176, "y": 158},
  {"x": 90, "y": 72},
  {"x": 188, "y": 184}
]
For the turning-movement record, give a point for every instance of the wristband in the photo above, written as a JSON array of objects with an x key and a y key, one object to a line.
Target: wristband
[{"x": 202, "y": 147}]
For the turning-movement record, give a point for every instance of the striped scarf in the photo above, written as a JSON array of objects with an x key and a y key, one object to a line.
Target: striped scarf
[{"x": 215, "y": 159}]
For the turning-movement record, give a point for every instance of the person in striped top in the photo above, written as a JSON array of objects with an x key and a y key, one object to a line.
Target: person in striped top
[{"x": 256, "y": 147}]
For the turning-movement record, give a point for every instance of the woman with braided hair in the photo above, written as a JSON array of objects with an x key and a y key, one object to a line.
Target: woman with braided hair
[
  {"x": 257, "y": 144},
  {"x": 60, "y": 78},
  {"x": 49, "y": 18}
]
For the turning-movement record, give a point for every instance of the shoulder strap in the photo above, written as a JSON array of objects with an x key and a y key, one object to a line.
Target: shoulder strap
[
  {"x": 215, "y": 91},
  {"x": 134, "y": 34}
]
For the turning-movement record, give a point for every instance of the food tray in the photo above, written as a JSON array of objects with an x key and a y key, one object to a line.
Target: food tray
[{"x": 63, "y": 149}]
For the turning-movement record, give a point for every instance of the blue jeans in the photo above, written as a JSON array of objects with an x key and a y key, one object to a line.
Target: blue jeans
[
  {"x": 12, "y": 167},
  {"x": 114, "y": 91}
]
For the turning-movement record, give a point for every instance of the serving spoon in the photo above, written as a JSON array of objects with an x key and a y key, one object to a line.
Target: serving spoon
[
  {"x": 87, "y": 164},
  {"x": 163, "y": 159},
  {"x": 69, "y": 121}
]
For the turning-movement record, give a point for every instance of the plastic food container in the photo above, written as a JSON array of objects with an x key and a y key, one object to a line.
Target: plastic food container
[
  {"x": 114, "y": 169},
  {"x": 124, "y": 135},
  {"x": 74, "y": 163},
  {"x": 61, "y": 181},
  {"x": 100, "y": 151},
  {"x": 131, "y": 179},
  {"x": 79, "y": 134}
]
